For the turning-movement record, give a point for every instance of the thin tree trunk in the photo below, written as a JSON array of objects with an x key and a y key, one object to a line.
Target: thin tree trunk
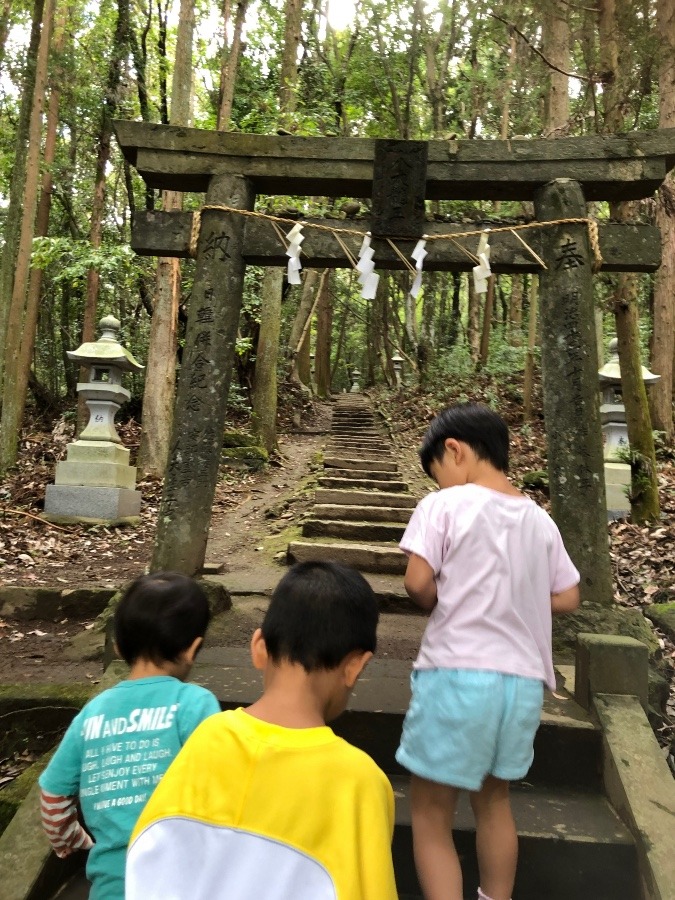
[
  {"x": 305, "y": 307},
  {"x": 516, "y": 311},
  {"x": 324, "y": 328},
  {"x": 98, "y": 202},
  {"x": 288, "y": 80},
  {"x": 160, "y": 381},
  {"x": 488, "y": 310},
  {"x": 663, "y": 335},
  {"x": 556, "y": 39},
  {"x": 17, "y": 184},
  {"x": 41, "y": 225},
  {"x": 528, "y": 378},
  {"x": 228, "y": 69},
  {"x": 14, "y": 383},
  {"x": 4, "y": 29},
  {"x": 288, "y": 76},
  {"x": 473, "y": 330}
]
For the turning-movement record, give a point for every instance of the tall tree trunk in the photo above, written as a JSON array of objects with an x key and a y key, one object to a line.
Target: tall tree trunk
[
  {"x": 644, "y": 483},
  {"x": 230, "y": 61},
  {"x": 160, "y": 381},
  {"x": 528, "y": 377},
  {"x": 41, "y": 227},
  {"x": 288, "y": 80},
  {"x": 17, "y": 184},
  {"x": 264, "y": 418},
  {"x": 488, "y": 309},
  {"x": 14, "y": 388},
  {"x": 324, "y": 327},
  {"x": 113, "y": 83},
  {"x": 556, "y": 40},
  {"x": 473, "y": 324},
  {"x": 305, "y": 308},
  {"x": 288, "y": 76},
  {"x": 516, "y": 311},
  {"x": 663, "y": 336}
]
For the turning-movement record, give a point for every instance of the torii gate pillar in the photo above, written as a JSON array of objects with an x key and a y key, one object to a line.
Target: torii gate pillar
[
  {"x": 571, "y": 399},
  {"x": 204, "y": 381}
]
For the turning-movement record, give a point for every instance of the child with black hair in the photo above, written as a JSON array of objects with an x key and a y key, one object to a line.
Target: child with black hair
[
  {"x": 119, "y": 746},
  {"x": 490, "y": 567},
  {"x": 267, "y": 802}
]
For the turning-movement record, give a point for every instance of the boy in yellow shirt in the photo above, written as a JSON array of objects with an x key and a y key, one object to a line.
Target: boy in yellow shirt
[{"x": 267, "y": 801}]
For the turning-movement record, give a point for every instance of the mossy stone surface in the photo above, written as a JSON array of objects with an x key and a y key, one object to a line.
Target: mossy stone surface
[
  {"x": 34, "y": 716},
  {"x": 238, "y": 439},
  {"x": 252, "y": 458},
  {"x": 12, "y": 796},
  {"x": 663, "y": 616},
  {"x": 599, "y": 619}
]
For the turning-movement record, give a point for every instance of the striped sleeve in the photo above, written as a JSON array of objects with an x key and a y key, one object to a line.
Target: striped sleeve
[{"x": 61, "y": 825}]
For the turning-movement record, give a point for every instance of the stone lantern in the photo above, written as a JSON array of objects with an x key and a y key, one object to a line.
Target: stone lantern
[
  {"x": 397, "y": 361},
  {"x": 356, "y": 387},
  {"x": 615, "y": 432},
  {"x": 96, "y": 483}
]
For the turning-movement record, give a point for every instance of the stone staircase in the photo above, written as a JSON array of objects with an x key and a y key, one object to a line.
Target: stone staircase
[
  {"x": 362, "y": 504},
  {"x": 572, "y": 842}
]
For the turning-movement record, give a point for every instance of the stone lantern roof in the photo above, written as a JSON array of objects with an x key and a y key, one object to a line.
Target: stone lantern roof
[
  {"x": 106, "y": 350},
  {"x": 610, "y": 373}
]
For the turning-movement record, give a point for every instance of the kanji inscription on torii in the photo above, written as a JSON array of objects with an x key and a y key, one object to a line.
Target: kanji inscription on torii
[{"x": 231, "y": 167}]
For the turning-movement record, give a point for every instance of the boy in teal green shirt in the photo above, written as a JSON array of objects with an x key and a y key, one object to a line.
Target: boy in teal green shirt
[{"x": 119, "y": 746}]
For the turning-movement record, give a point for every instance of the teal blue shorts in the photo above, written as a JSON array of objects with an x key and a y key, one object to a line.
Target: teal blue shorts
[{"x": 465, "y": 724}]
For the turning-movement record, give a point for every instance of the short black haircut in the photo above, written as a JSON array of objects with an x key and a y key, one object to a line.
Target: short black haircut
[
  {"x": 159, "y": 616},
  {"x": 476, "y": 425},
  {"x": 319, "y": 613}
]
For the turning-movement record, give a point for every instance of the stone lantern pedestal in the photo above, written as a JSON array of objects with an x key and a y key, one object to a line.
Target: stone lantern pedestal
[{"x": 96, "y": 483}]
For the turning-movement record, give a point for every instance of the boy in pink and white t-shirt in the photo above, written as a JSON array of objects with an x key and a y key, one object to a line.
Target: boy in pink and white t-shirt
[{"x": 490, "y": 566}]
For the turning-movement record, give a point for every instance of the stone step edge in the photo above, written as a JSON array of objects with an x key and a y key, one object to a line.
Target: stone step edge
[{"x": 400, "y": 500}]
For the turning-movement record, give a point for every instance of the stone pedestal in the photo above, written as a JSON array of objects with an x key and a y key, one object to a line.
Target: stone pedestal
[
  {"x": 617, "y": 485},
  {"x": 95, "y": 483}
]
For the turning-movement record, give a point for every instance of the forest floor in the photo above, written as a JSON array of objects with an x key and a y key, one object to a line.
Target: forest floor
[{"x": 254, "y": 513}]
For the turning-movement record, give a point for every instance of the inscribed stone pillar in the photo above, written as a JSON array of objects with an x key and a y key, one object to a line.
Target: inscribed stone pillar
[
  {"x": 204, "y": 381},
  {"x": 570, "y": 388}
]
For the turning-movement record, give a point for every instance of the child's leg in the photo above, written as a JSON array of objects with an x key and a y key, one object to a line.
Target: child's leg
[
  {"x": 496, "y": 838},
  {"x": 433, "y": 812}
]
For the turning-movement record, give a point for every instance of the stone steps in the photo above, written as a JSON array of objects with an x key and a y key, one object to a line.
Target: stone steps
[
  {"x": 361, "y": 503},
  {"x": 361, "y": 513},
  {"x": 366, "y": 498},
  {"x": 353, "y": 531},
  {"x": 364, "y": 557},
  {"x": 361, "y": 464},
  {"x": 572, "y": 843},
  {"x": 360, "y": 484}
]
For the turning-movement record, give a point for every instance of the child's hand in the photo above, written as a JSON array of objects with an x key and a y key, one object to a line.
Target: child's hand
[{"x": 420, "y": 582}]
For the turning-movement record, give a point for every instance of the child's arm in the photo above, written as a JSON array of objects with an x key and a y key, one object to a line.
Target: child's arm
[
  {"x": 566, "y": 601},
  {"x": 60, "y": 822},
  {"x": 420, "y": 583}
]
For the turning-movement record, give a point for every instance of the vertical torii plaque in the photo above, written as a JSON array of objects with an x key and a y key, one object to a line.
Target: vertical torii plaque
[{"x": 399, "y": 186}]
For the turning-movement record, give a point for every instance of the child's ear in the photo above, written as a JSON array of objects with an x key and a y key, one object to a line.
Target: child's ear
[
  {"x": 354, "y": 666},
  {"x": 452, "y": 445},
  {"x": 258, "y": 650},
  {"x": 191, "y": 652}
]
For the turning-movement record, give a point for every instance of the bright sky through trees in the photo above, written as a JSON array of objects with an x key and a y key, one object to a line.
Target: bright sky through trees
[{"x": 341, "y": 13}]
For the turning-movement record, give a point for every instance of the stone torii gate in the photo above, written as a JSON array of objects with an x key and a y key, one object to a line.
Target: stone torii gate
[{"x": 399, "y": 176}]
